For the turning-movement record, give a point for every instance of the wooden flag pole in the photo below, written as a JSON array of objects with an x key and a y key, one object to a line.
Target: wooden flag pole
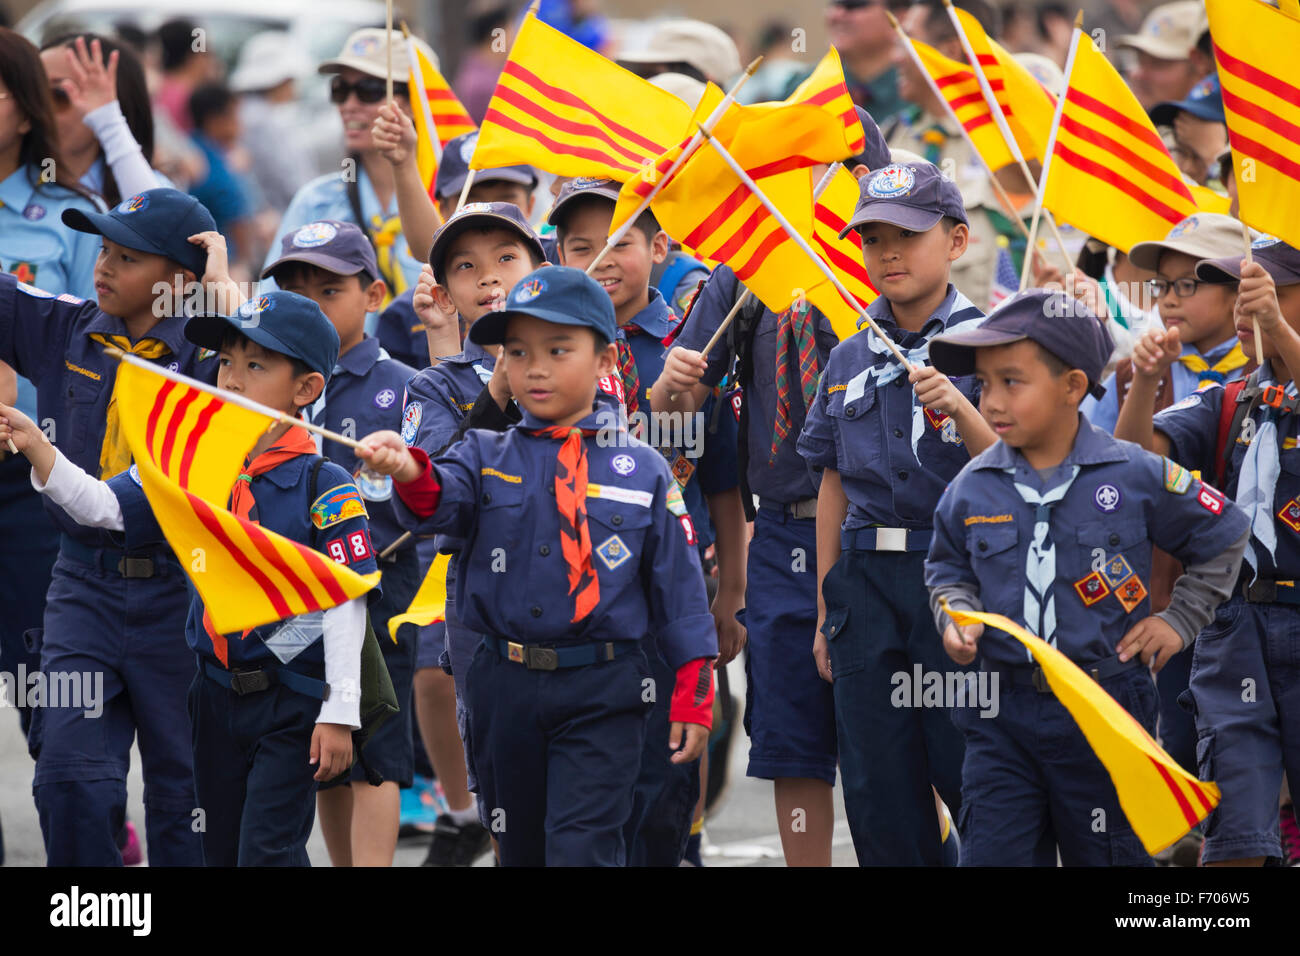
[
  {"x": 429, "y": 124},
  {"x": 802, "y": 243},
  {"x": 406, "y": 536},
  {"x": 690, "y": 149},
  {"x": 1009, "y": 137},
  {"x": 388, "y": 45},
  {"x": 232, "y": 397},
  {"x": 1040, "y": 189},
  {"x": 1003, "y": 198},
  {"x": 1250, "y": 257}
]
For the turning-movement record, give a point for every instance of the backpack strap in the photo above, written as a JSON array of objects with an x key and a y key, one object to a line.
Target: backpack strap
[{"x": 1237, "y": 403}]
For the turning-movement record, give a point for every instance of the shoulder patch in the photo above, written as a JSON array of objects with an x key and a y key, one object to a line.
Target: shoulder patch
[
  {"x": 676, "y": 506},
  {"x": 1191, "y": 401},
  {"x": 338, "y": 504},
  {"x": 134, "y": 471},
  {"x": 411, "y": 422},
  {"x": 1177, "y": 478},
  {"x": 33, "y": 291}
]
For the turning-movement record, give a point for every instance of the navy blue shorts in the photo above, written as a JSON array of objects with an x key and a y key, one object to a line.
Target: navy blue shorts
[
  {"x": 1245, "y": 692},
  {"x": 430, "y": 645},
  {"x": 789, "y": 709},
  {"x": 1031, "y": 784}
]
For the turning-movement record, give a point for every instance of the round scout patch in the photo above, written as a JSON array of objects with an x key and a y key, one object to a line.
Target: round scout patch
[
  {"x": 474, "y": 207},
  {"x": 134, "y": 471},
  {"x": 133, "y": 204},
  {"x": 1263, "y": 242},
  {"x": 623, "y": 464},
  {"x": 174, "y": 366},
  {"x": 410, "y": 422},
  {"x": 1191, "y": 401},
  {"x": 1190, "y": 224},
  {"x": 365, "y": 46},
  {"x": 1106, "y": 498},
  {"x": 263, "y": 303},
  {"x": 528, "y": 291},
  {"x": 386, "y": 398},
  {"x": 894, "y": 180},
  {"x": 314, "y": 234},
  {"x": 587, "y": 182},
  {"x": 34, "y": 212}
]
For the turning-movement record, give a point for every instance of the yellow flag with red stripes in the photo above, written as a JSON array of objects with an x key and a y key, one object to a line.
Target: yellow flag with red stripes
[
  {"x": 438, "y": 115},
  {"x": 1161, "y": 800},
  {"x": 832, "y": 212},
  {"x": 615, "y": 125},
  {"x": 189, "y": 447},
  {"x": 430, "y": 601},
  {"x": 957, "y": 84},
  {"x": 1255, "y": 47}
]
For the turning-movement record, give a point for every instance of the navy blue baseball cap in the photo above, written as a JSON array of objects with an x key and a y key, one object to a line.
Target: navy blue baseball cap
[
  {"x": 1279, "y": 260},
  {"x": 338, "y": 247},
  {"x": 158, "y": 221},
  {"x": 908, "y": 195},
  {"x": 556, "y": 294},
  {"x": 1058, "y": 322},
  {"x": 875, "y": 154},
  {"x": 1205, "y": 101},
  {"x": 453, "y": 170},
  {"x": 578, "y": 188},
  {"x": 478, "y": 215},
  {"x": 283, "y": 322}
]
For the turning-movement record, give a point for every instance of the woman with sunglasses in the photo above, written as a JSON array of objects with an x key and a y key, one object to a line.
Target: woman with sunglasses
[
  {"x": 364, "y": 190},
  {"x": 102, "y": 111}
]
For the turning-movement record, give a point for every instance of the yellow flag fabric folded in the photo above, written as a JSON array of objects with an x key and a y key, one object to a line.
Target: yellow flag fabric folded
[{"x": 430, "y": 602}]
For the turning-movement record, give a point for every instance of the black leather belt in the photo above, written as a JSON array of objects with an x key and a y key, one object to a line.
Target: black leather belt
[{"x": 1033, "y": 676}]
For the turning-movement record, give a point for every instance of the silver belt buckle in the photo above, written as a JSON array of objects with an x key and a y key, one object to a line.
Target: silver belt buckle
[{"x": 891, "y": 539}]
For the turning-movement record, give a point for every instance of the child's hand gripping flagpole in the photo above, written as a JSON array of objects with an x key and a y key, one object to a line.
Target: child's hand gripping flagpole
[
  {"x": 690, "y": 149},
  {"x": 1250, "y": 257},
  {"x": 1041, "y": 188},
  {"x": 1010, "y": 138},
  {"x": 747, "y": 295},
  {"x": 232, "y": 397},
  {"x": 802, "y": 243},
  {"x": 1007, "y": 205}
]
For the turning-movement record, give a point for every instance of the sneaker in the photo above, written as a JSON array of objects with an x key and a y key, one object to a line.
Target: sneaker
[
  {"x": 421, "y": 806},
  {"x": 1290, "y": 836},
  {"x": 457, "y": 844},
  {"x": 132, "y": 854}
]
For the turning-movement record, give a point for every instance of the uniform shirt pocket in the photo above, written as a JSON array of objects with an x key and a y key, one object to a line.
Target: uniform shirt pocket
[
  {"x": 501, "y": 521},
  {"x": 994, "y": 557},
  {"x": 618, "y": 531},
  {"x": 857, "y": 433},
  {"x": 1102, "y": 542}
]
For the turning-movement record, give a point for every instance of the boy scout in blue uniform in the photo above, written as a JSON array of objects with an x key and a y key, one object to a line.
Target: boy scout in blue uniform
[
  {"x": 557, "y": 688},
  {"x": 666, "y": 793},
  {"x": 333, "y": 264},
  {"x": 111, "y": 609},
  {"x": 1053, "y": 527},
  {"x": 494, "y": 247},
  {"x": 886, "y": 452},
  {"x": 1246, "y": 435},
  {"x": 400, "y": 328}
]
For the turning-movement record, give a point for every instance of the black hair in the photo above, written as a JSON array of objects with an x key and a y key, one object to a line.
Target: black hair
[
  {"x": 132, "y": 96},
  {"x": 176, "y": 43},
  {"x": 951, "y": 222},
  {"x": 480, "y": 27},
  {"x": 1055, "y": 364},
  {"x": 772, "y": 33},
  {"x": 231, "y": 337},
  {"x": 484, "y": 229},
  {"x": 646, "y": 222},
  {"x": 938, "y": 25},
  {"x": 649, "y": 70},
  {"x": 294, "y": 269},
  {"x": 208, "y": 101},
  {"x": 1046, "y": 12}
]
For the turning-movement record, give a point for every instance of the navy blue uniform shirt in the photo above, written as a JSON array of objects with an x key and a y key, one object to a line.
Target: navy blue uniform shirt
[
  {"x": 893, "y": 457},
  {"x": 47, "y": 339},
  {"x": 498, "y": 495},
  {"x": 1123, "y": 500},
  {"x": 364, "y": 395},
  {"x": 788, "y": 478},
  {"x": 401, "y": 332}
]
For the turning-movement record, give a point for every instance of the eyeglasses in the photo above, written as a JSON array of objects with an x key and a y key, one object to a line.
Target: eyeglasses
[
  {"x": 1183, "y": 288},
  {"x": 369, "y": 89}
]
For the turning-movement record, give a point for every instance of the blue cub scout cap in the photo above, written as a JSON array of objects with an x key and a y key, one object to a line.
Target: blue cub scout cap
[
  {"x": 1058, "y": 322},
  {"x": 1205, "y": 102},
  {"x": 554, "y": 294},
  {"x": 577, "y": 188},
  {"x": 454, "y": 169},
  {"x": 157, "y": 221},
  {"x": 502, "y": 215},
  {"x": 911, "y": 196},
  {"x": 283, "y": 322},
  {"x": 338, "y": 247}
]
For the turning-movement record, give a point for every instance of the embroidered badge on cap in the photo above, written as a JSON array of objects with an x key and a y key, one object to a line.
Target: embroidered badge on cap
[
  {"x": 314, "y": 234},
  {"x": 338, "y": 504},
  {"x": 1091, "y": 589},
  {"x": 1106, "y": 498},
  {"x": 410, "y": 422},
  {"x": 1177, "y": 478},
  {"x": 588, "y": 182},
  {"x": 623, "y": 464},
  {"x": 894, "y": 180},
  {"x": 385, "y": 398},
  {"x": 473, "y": 207},
  {"x": 1290, "y": 514},
  {"x": 1263, "y": 242},
  {"x": 1131, "y": 593},
  {"x": 263, "y": 303},
  {"x": 467, "y": 146},
  {"x": 528, "y": 291},
  {"x": 133, "y": 204},
  {"x": 365, "y": 46},
  {"x": 613, "y": 552},
  {"x": 1210, "y": 499},
  {"x": 1116, "y": 570},
  {"x": 1189, "y": 224}
]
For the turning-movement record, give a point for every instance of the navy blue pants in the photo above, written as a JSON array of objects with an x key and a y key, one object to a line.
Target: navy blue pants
[
  {"x": 251, "y": 773},
  {"x": 558, "y": 754},
  {"x": 1176, "y": 725},
  {"x": 663, "y": 805},
  {"x": 1032, "y": 786},
  {"x": 129, "y": 636},
  {"x": 878, "y": 625}
]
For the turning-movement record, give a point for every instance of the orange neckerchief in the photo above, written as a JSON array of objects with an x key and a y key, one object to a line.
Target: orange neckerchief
[
  {"x": 295, "y": 442},
  {"x": 571, "y": 499}
]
